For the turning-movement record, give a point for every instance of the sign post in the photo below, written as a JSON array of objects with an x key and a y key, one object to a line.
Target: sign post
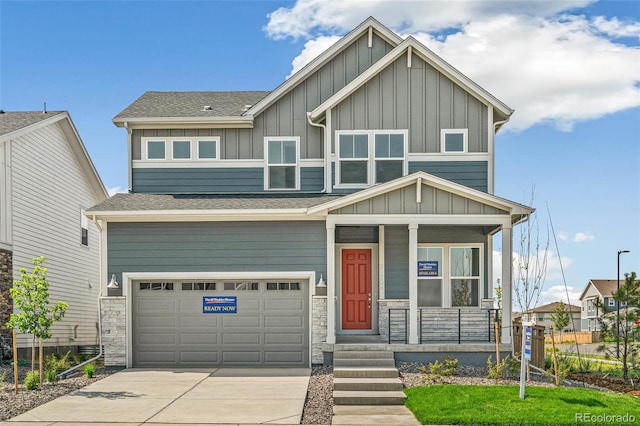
[{"x": 525, "y": 354}]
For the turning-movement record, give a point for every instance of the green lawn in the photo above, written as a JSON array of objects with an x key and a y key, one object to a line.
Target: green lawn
[{"x": 501, "y": 405}]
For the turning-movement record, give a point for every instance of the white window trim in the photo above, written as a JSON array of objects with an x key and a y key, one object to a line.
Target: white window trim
[
  {"x": 215, "y": 139},
  {"x": 446, "y": 272},
  {"x": 190, "y": 149},
  {"x": 266, "y": 162},
  {"x": 371, "y": 170},
  {"x": 465, "y": 137},
  {"x": 145, "y": 149},
  {"x": 194, "y": 159}
]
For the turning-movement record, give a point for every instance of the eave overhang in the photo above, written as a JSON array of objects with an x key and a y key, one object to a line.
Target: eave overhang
[{"x": 237, "y": 122}]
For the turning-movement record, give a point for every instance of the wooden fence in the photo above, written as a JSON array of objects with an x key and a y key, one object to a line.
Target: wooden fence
[
  {"x": 577, "y": 337},
  {"x": 537, "y": 343}
]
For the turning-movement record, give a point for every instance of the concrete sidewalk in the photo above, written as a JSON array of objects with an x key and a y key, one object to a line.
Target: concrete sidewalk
[{"x": 192, "y": 396}]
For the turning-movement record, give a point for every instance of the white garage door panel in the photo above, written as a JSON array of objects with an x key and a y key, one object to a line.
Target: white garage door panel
[{"x": 270, "y": 327}]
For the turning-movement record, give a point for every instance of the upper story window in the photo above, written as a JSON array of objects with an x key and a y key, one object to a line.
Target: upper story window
[
  {"x": 156, "y": 150},
  {"x": 84, "y": 229},
  {"x": 182, "y": 149},
  {"x": 281, "y": 171},
  {"x": 453, "y": 140},
  {"x": 369, "y": 157}
]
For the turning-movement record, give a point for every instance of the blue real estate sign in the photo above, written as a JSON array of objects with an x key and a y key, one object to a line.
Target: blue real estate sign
[
  {"x": 527, "y": 343},
  {"x": 219, "y": 304},
  {"x": 427, "y": 268}
]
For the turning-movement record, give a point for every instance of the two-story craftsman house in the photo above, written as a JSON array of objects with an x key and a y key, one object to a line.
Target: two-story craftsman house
[{"x": 262, "y": 228}]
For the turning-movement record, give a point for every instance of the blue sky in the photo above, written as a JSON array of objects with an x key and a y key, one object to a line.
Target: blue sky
[{"x": 570, "y": 69}]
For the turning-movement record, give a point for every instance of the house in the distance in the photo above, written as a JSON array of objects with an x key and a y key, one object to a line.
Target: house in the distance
[
  {"x": 543, "y": 317},
  {"x": 597, "y": 290},
  {"x": 47, "y": 181},
  {"x": 353, "y": 203}
]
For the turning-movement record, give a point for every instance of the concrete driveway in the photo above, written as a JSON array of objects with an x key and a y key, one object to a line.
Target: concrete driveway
[{"x": 171, "y": 396}]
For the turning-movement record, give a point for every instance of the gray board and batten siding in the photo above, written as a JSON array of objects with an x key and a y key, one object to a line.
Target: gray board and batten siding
[
  {"x": 397, "y": 252},
  {"x": 215, "y": 180},
  {"x": 433, "y": 201},
  {"x": 420, "y": 99},
  {"x": 288, "y": 115},
  {"x": 217, "y": 247}
]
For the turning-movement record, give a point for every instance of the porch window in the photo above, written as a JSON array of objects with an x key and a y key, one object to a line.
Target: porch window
[
  {"x": 282, "y": 164},
  {"x": 354, "y": 159},
  {"x": 465, "y": 275},
  {"x": 430, "y": 277}
]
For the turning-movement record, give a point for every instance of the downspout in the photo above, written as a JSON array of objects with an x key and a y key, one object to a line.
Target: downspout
[{"x": 326, "y": 157}]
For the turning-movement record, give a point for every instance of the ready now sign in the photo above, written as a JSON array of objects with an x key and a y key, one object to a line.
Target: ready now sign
[{"x": 219, "y": 304}]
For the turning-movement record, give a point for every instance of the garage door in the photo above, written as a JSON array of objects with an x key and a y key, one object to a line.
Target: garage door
[{"x": 220, "y": 323}]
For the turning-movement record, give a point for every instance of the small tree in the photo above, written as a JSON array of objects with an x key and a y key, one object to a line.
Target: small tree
[
  {"x": 530, "y": 265},
  {"x": 560, "y": 317},
  {"x": 31, "y": 296},
  {"x": 626, "y": 331}
]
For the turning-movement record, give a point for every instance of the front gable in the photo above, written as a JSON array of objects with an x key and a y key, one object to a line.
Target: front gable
[{"x": 423, "y": 194}]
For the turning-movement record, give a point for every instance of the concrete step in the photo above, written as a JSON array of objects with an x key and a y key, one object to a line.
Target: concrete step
[
  {"x": 369, "y": 397},
  {"x": 356, "y": 362},
  {"x": 365, "y": 372},
  {"x": 363, "y": 354},
  {"x": 365, "y": 384},
  {"x": 373, "y": 415}
]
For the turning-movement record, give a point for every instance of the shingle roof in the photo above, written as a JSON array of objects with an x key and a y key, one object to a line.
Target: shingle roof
[
  {"x": 10, "y": 121},
  {"x": 606, "y": 287},
  {"x": 155, "y": 202},
  {"x": 551, "y": 307},
  {"x": 190, "y": 104}
]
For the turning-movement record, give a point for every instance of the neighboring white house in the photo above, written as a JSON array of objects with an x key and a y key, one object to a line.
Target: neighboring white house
[
  {"x": 47, "y": 180},
  {"x": 543, "y": 316}
]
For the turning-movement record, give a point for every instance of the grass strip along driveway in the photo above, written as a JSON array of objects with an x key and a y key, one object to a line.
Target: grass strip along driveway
[{"x": 501, "y": 405}]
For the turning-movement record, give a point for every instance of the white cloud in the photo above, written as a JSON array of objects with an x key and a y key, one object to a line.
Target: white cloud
[
  {"x": 115, "y": 190},
  {"x": 558, "y": 69},
  {"x": 558, "y": 293},
  {"x": 562, "y": 236},
  {"x": 581, "y": 237},
  {"x": 312, "y": 49}
]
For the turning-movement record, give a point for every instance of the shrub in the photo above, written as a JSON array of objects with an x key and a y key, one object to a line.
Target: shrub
[
  {"x": 89, "y": 370},
  {"x": 437, "y": 370},
  {"x": 55, "y": 364},
  {"x": 500, "y": 370},
  {"x": 32, "y": 381}
]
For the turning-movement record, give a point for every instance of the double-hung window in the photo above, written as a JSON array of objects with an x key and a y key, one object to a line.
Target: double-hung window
[
  {"x": 281, "y": 171},
  {"x": 430, "y": 277},
  {"x": 354, "y": 159},
  {"x": 84, "y": 229},
  {"x": 370, "y": 157},
  {"x": 389, "y": 156},
  {"x": 465, "y": 275}
]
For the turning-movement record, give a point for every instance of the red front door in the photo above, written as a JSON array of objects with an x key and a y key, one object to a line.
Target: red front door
[{"x": 356, "y": 289}]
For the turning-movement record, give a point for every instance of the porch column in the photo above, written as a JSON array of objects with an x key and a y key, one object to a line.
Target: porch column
[
  {"x": 331, "y": 283},
  {"x": 507, "y": 276},
  {"x": 413, "y": 283}
]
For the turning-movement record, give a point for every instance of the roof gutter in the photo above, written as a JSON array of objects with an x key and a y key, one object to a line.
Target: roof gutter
[{"x": 245, "y": 121}]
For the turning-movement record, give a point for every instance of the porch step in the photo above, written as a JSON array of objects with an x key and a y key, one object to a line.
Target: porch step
[
  {"x": 340, "y": 354},
  {"x": 368, "y": 397},
  {"x": 365, "y": 372},
  {"x": 357, "y": 362},
  {"x": 367, "y": 384}
]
